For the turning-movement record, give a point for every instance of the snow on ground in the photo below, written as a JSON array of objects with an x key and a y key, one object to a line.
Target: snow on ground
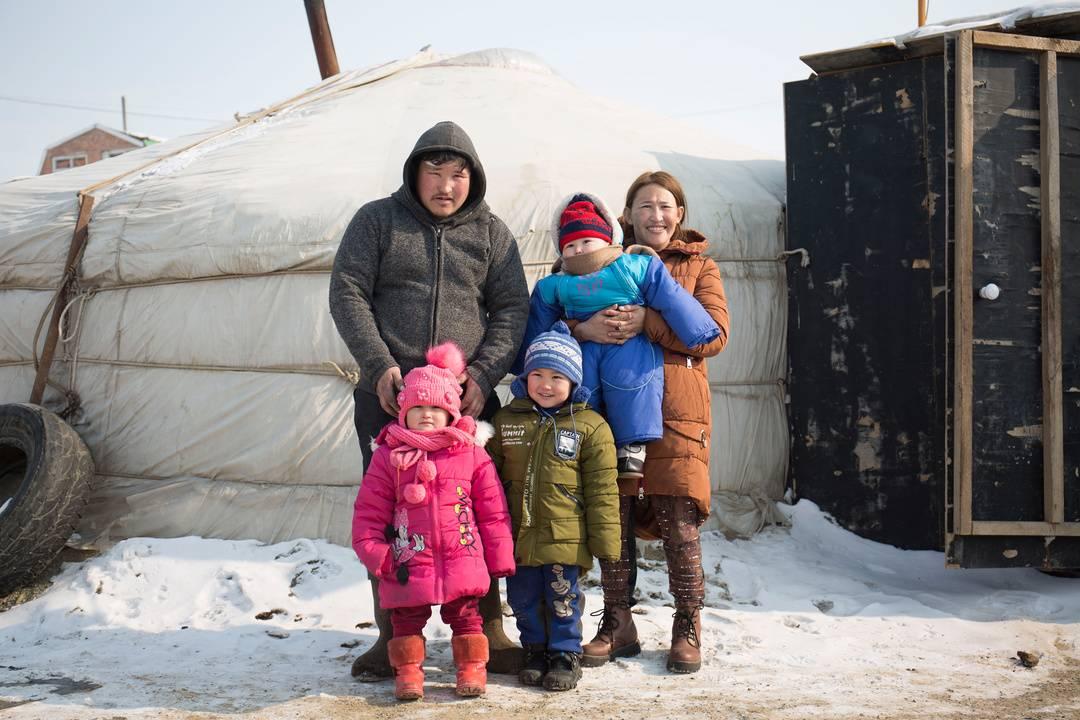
[{"x": 808, "y": 621}]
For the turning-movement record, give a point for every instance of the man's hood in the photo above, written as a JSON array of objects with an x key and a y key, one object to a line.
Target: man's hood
[{"x": 444, "y": 136}]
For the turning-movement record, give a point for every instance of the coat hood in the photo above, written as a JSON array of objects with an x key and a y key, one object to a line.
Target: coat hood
[
  {"x": 689, "y": 242},
  {"x": 605, "y": 212},
  {"x": 444, "y": 136}
]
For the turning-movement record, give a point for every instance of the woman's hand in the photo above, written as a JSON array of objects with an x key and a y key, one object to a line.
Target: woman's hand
[{"x": 613, "y": 325}]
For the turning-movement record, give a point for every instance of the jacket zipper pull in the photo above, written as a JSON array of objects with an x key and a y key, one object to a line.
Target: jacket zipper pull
[
  {"x": 689, "y": 361},
  {"x": 641, "y": 489}
]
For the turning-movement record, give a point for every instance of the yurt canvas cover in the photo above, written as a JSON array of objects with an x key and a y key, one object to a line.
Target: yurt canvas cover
[{"x": 215, "y": 392}]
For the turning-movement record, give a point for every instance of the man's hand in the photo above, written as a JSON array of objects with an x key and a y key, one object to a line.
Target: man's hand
[
  {"x": 472, "y": 401},
  {"x": 387, "y": 389},
  {"x": 615, "y": 324}
]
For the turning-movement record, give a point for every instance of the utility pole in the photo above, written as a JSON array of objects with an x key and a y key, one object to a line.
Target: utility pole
[
  {"x": 320, "y": 37},
  {"x": 123, "y": 110}
]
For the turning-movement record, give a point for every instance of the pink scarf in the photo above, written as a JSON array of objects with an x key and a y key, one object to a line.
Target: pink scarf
[{"x": 409, "y": 447}]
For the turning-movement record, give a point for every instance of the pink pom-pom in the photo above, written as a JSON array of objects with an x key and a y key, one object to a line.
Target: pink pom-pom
[
  {"x": 448, "y": 355},
  {"x": 466, "y": 424},
  {"x": 425, "y": 471},
  {"x": 414, "y": 493}
]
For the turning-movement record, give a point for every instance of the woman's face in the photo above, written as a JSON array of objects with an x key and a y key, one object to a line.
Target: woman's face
[{"x": 654, "y": 215}]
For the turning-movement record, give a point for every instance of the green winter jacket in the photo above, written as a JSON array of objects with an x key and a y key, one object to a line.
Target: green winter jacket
[{"x": 564, "y": 509}]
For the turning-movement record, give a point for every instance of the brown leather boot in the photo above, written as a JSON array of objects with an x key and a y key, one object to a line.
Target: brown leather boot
[
  {"x": 374, "y": 664},
  {"x": 685, "y": 653},
  {"x": 616, "y": 637},
  {"x": 506, "y": 657}
]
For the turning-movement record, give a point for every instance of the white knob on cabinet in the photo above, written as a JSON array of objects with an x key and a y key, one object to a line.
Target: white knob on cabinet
[{"x": 990, "y": 291}]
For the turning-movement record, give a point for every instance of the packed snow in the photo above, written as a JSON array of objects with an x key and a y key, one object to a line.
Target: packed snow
[{"x": 803, "y": 621}]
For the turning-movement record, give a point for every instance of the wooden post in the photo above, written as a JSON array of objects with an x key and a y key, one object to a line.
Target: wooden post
[
  {"x": 1050, "y": 205},
  {"x": 922, "y": 12},
  {"x": 320, "y": 36},
  {"x": 963, "y": 187},
  {"x": 78, "y": 242}
]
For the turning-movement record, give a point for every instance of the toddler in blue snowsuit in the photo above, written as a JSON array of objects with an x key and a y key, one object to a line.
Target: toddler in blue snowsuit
[{"x": 626, "y": 381}]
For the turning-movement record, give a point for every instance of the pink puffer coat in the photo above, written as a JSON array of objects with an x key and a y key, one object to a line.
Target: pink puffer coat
[{"x": 445, "y": 547}]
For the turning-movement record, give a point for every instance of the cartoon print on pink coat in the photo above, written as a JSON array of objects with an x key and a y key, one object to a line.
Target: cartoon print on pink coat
[
  {"x": 563, "y": 605},
  {"x": 401, "y": 547},
  {"x": 464, "y": 516}
]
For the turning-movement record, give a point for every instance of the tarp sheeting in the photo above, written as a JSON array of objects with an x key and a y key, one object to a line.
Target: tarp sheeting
[{"x": 199, "y": 337}]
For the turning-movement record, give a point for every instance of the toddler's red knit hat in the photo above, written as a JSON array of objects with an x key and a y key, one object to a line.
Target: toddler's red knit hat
[{"x": 581, "y": 219}]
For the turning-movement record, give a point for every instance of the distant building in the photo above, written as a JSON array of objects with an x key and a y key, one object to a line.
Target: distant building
[{"x": 94, "y": 143}]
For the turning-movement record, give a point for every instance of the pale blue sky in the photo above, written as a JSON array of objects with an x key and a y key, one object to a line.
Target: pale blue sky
[{"x": 715, "y": 63}]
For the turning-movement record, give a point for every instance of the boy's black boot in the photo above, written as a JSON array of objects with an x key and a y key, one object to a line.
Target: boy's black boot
[
  {"x": 536, "y": 665},
  {"x": 564, "y": 671}
]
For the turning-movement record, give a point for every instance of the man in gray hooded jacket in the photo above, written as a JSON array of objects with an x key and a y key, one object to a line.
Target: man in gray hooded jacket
[{"x": 428, "y": 264}]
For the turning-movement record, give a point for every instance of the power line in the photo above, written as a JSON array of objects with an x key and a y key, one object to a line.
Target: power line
[{"x": 48, "y": 103}]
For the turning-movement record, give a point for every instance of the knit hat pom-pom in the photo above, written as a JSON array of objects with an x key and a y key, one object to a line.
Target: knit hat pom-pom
[
  {"x": 414, "y": 493},
  {"x": 466, "y": 424},
  {"x": 425, "y": 471},
  {"x": 449, "y": 356}
]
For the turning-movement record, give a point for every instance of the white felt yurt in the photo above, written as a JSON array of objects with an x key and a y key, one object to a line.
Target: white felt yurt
[{"x": 198, "y": 337}]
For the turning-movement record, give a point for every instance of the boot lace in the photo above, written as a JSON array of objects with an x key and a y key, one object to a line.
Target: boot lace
[
  {"x": 608, "y": 622},
  {"x": 685, "y": 627}
]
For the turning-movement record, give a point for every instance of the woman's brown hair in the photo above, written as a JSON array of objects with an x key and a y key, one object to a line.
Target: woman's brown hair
[{"x": 664, "y": 180}]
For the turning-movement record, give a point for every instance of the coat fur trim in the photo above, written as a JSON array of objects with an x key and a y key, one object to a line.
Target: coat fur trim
[
  {"x": 484, "y": 432},
  {"x": 613, "y": 220}
]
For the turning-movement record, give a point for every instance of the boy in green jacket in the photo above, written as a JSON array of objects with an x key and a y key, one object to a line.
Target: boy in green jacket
[{"x": 556, "y": 458}]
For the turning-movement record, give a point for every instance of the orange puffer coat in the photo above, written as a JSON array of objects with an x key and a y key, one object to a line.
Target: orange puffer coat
[{"x": 678, "y": 463}]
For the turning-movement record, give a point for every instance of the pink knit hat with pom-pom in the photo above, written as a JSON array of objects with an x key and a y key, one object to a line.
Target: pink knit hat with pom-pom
[{"x": 435, "y": 384}]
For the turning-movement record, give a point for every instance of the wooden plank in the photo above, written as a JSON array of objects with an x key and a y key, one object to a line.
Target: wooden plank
[
  {"x": 78, "y": 242},
  {"x": 1026, "y": 43},
  {"x": 874, "y": 55},
  {"x": 1043, "y": 529},
  {"x": 883, "y": 51},
  {"x": 963, "y": 187},
  {"x": 1050, "y": 205}
]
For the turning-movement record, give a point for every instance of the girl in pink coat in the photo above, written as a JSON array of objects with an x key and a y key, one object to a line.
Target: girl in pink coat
[{"x": 431, "y": 523}]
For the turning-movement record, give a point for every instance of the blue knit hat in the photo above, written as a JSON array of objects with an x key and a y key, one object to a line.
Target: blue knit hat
[{"x": 555, "y": 350}]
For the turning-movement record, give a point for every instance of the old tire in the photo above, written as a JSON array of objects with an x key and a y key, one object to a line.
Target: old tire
[{"x": 45, "y": 475}]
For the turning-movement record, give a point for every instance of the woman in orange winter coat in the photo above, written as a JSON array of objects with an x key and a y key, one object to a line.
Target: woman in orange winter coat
[{"x": 673, "y": 499}]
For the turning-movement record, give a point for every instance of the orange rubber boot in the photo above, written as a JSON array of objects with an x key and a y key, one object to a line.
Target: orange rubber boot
[
  {"x": 407, "y": 657},
  {"x": 470, "y": 657}
]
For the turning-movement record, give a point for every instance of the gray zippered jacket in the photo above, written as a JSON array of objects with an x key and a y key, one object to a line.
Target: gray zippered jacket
[{"x": 404, "y": 280}]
